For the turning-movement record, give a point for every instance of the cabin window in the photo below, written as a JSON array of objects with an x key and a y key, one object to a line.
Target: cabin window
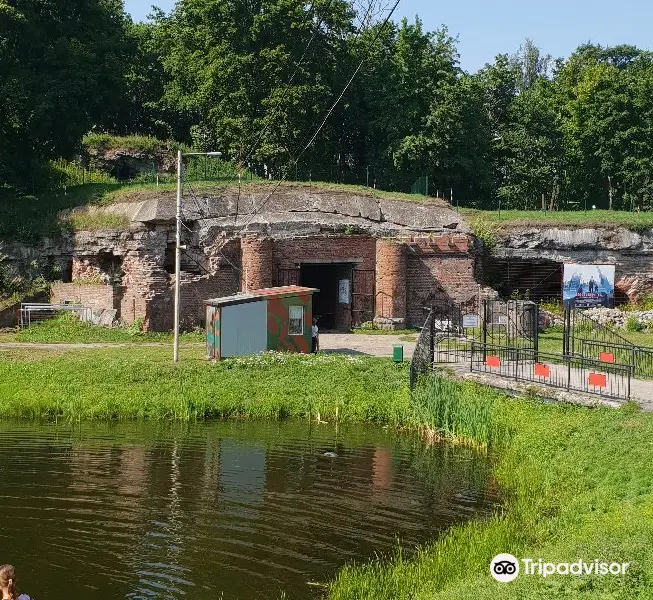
[{"x": 296, "y": 320}]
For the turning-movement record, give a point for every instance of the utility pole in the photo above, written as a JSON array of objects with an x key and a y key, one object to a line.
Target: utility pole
[{"x": 178, "y": 258}]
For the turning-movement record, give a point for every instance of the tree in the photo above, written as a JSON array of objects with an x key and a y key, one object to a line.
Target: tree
[
  {"x": 61, "y": 70},
  {"x": 533, "y": 144},
  {"x": 530, "y": 64},
  {"x": 259, "y": 73}
]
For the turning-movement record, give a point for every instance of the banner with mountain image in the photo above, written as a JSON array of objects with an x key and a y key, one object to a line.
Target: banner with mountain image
[{"x": 588, "y": 286}]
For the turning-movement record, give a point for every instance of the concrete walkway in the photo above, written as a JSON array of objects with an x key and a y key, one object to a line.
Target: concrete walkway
[
  {"x": 372, "y": 345},
  {"x": 344, "y": 343},
  {"x": 641, "y": 391}
]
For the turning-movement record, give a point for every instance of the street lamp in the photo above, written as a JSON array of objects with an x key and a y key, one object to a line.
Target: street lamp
[{"x": 178, "y": 246}]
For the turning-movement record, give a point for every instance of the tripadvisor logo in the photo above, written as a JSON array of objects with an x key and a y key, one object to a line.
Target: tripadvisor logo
[{"x": 505, "y": 568}]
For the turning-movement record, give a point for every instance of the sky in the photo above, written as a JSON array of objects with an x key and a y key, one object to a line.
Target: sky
[{"x": 486, "y": 28}]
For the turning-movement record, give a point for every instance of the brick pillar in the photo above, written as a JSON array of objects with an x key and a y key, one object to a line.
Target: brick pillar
[
  {"x": 390, "y": 284},
  {"x": 257, "y": 263}
]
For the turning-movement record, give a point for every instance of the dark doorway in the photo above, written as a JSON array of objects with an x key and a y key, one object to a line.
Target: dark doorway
[
  {"x": 537, "y": 280},
  {"x": 330, "y": 312}
]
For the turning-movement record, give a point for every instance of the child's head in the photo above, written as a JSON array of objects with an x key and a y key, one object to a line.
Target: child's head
[
  {"x": 314, "y": 321},
  {"x": 7, "y": 580}
]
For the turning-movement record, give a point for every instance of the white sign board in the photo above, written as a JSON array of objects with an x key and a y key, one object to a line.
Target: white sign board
[
  {"x": 343, "y": 291},
  {"x": 470, "y": 321},
  {"x": 501, "y": 320}
]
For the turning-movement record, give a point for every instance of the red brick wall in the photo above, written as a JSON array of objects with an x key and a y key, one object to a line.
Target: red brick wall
[
  {"x": 343, "y": 248},
  {"x": 257, "y": 263},
  {"x": 390, "y": 279},
  {"x": 145, "y": 292},
  {"x": 195, "y": 290},
  {"x": 439, "y": 270},
  {"x": 84, "y": 269},
  {"x": 98, "y": 297}
]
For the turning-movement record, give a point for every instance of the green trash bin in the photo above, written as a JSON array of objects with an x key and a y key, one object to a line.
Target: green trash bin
[{"x": 398, "y": 352}]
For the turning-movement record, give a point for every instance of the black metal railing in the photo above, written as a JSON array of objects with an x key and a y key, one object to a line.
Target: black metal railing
[
  {"x": 585, "y": 336},
  {"x": 571, "y": 373},
  {"x": 580, "y": 327},
  {"x": 638, "y": 357}
]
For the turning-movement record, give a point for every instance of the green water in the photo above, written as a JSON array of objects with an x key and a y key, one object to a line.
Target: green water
[{"x": 224, "y": 510}]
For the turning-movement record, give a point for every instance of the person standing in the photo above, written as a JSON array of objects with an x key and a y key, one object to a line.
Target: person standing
[
  {"x": 8, "y": 584},
  {"x": 315, "y": 337}
]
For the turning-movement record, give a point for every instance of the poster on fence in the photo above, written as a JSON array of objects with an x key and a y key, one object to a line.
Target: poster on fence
[{"x": 588, "y": 286}]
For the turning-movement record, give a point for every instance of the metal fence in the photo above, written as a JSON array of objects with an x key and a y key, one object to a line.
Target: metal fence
[
  {"x": 571, "y": 373},
  {"x": 503, "y": 323},
  {"x": 585, "y": 336},
  {"x": 31, "y": 313},
  {"x": 640, "y": 358},
  {"x": 580, "y": 327}
]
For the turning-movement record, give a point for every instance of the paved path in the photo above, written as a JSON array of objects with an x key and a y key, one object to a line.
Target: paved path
[
  {"x": 372, "y": 345},
  {"x": 345, "y": 343}
]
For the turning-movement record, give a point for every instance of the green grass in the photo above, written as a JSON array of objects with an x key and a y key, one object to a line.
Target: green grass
[
  {"x": 70, "y": 331},
  {"x": 591, "y": 218},
  {"x": 96, "y": 221},
  {"x": 142, "y": 382},
  {"x": 578, "y": 484}
]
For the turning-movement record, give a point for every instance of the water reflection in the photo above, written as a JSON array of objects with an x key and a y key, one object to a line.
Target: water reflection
[{"x": 240, "y": 509}]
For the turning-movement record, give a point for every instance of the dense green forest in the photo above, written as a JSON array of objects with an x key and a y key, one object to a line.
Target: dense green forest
[{"x": 256, "y": 78}]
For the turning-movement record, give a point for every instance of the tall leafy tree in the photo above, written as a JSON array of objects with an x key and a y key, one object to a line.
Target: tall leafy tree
[
  {"x": 257, "y": 72},
  {"x": 533, "y": 145},
  {"x": 61, "y": 70}
]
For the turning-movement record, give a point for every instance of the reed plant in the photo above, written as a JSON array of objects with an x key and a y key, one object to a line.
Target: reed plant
[{"x": 459, "y": 412}]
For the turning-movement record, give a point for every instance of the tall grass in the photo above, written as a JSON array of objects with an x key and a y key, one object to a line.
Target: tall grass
[
  {"x": 68, "y": 173},
  {"x": 459, "y": 412}
]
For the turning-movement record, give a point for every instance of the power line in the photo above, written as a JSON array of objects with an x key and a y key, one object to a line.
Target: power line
[
  {"x": 298, "y": 64},
  {"x": 328, "y": 114},
  {"x": 316, "y": 133}
]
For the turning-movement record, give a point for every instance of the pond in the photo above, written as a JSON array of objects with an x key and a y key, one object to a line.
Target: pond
[{"x": 234, "y": 510}]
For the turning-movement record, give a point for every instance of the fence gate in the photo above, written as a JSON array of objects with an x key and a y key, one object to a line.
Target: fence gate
[
  {"x": 455, "y": 326},
  {"x": 585, "y": 337},
  {"x": 513, "y": 323},
  {"x": 362, "y": 295}
]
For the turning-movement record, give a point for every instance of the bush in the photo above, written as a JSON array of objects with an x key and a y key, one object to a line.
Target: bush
[
  {"x": 486, "y": 232},
  {"x": 555, "y": 308},
  {"x": 101, "y": 142},
  {"x": 632, "y": 324}
]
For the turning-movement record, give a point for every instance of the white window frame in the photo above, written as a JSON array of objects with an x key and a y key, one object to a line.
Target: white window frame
[{"x": 291, "y": 318}]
